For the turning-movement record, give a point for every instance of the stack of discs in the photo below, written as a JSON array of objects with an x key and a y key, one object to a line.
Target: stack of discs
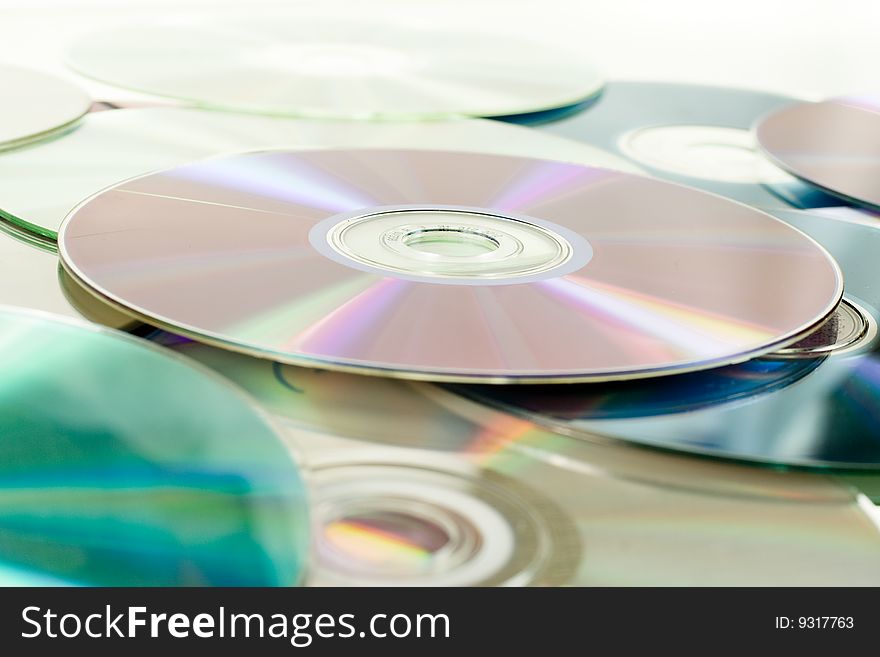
[{"x": 465, "y": 331}]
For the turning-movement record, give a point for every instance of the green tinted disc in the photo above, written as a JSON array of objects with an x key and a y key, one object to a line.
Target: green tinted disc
[{"x": 124, "y": 465}]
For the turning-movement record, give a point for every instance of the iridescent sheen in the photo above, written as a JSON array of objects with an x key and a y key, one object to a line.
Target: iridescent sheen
[
  {"x": 123, "y": 465},
  {"x": 809, "y": 412},
  {"x": 639, "y": 516},
  {"x": 225, "y": 251}
]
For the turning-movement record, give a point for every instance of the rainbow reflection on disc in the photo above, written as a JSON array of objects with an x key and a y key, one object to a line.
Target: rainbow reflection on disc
[
  {"x": 450, "y": 266},
  {"x": 799, "y": 412},
  {"x": 40, "y": 185},
  {"x": 123, "y": 465},
  {"x": 411, "y": 485}
]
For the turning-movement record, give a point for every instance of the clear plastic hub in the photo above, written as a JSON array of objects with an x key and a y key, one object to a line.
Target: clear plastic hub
[
  {"x": 381, "y": 524},
  {"x": 702, "y": 151},
  {"x": 450, "y": 243},
  {"x": 398, "y": 538}
]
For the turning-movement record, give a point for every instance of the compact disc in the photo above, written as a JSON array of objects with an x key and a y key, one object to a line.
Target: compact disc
[
  {"x": 40, "y": 185},
  {"x": 31, "y": 277},
  {"x": 410, "y": 488},
  {"x": 338, "y": 69},
  {"x": 691, "y": 134},
  {"x": 36, "y": 105},
  {"x": 450, "y": 266},
  {"x": 123, "y": 464},
  {"x": 834, "y": 145},
  {"x": 825, "y": 415}
]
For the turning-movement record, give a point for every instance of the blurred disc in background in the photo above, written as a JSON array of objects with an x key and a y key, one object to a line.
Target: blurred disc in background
[
  {"x": 124, "y": 465},
  {"x": 354, "y": 69},
  {"x": 834, "y": 145},
  {"x": 37, "y": 105},
  {"x": 41, "y": 184},
  {"x": 691, "y": 134}
]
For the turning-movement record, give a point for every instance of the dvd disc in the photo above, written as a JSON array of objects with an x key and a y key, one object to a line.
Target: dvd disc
[
  {"x": 338, "y": 69},
  {"x": 833, "y": 145},
  {"x": 820, "y": 412},
  {"x": 37, "y": 105},
  {"x": 31, "y": 277},
  {"x": 691, "y": 134},
  {"x": 123, "y": 464},
  {"x": 40, "y": 185},
  {"x": 450, "y": 266},
  {"x": 408, "y": 488}
]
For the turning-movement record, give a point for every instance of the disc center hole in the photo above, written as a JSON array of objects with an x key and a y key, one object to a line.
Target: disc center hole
[{"x": 455, "y": 242}]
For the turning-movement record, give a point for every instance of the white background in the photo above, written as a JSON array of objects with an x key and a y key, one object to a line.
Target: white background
[{"x": 810, "y": 48}]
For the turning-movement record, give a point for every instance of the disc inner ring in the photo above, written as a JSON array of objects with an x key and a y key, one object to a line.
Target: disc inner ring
[{"x": 451, "y": 244}]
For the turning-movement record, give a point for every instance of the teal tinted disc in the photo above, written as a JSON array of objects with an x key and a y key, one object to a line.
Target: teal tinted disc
[{"x": 123, "y": 465}]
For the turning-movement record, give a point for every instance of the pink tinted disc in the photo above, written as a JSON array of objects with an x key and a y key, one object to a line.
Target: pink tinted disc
[
  {"x": 450, "y": 266},
  {"x": 834, "y": 145}
]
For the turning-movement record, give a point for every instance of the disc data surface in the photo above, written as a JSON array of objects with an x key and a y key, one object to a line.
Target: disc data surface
[
  {"x": 450, "y": 266},
  {"x": 692, "y": 134},
  {"x": 820, "y": 412},
  {"x": 410, "y": 488},
  {"x": 124, "y": 465},
  {"x": 36, "y": 105},
  {"x": 833, "y": 144},
  {"x": 31, "y": 277},
  {"x": 348, "y": 70},
  {"x": 41, "y": 184}
]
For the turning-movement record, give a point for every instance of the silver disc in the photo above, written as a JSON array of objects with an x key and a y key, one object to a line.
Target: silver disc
[
  {"x": 451, "y": 266},
  {"x": 338, "y": 69}
]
